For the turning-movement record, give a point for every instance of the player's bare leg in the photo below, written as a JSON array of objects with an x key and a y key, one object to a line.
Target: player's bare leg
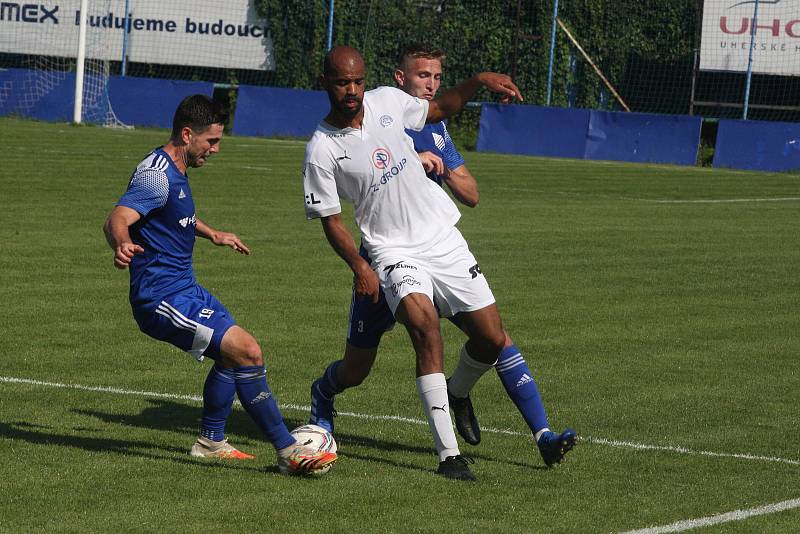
[
  {"x": 342, "y": 374},
  {"x": 417, "y": 313}
]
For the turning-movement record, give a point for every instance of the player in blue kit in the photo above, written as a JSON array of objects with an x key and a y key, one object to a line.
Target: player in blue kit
[
  {"x": 419, "y": 74},
  {"x": 152, "y": 232}
]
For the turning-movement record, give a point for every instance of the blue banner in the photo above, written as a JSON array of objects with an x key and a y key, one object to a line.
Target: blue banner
[
  {"x": 533, "y": 130},
  {"x": 589, "y": 134},
  {"x": 643, "y": 138},
  {"x": 758, "y": 145},
  {"x": 46, "y": 96},
  {"x": 150, "y": 101},
  {"x": 271, "y": 111}
]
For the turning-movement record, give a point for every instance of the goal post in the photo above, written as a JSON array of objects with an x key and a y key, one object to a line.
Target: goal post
[
  {"x": 77, "y": 111},
  {"x": 70, "y": 56}
]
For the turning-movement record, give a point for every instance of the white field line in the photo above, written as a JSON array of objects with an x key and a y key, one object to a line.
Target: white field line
[
  {"x": 736, "y": 515},
  {"x": 250, "y": 167},
  {"x": 409, "y": 420},
  {"x": 651, "y": 200},
  {"x": 718, "y": 201}
]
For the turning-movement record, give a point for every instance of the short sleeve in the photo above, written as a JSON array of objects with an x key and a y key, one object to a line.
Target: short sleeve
[
  {"x": 321, "y": 195},
  {"x": 451, "y": 157},
  {"x": 148, "y": 190},
  {"x": 415, "y": 112}
]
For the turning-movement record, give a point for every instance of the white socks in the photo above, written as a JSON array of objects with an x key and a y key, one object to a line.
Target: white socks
[
  {"x": 467, "y": 372},
  {"x": 432, "y": 391}
]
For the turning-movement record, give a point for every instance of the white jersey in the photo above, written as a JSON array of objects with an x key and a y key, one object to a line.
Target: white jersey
[{"x": 397, "y": 208}]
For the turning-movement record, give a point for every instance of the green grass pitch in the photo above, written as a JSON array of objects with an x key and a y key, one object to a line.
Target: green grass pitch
[{"x": 658, "y": 307}]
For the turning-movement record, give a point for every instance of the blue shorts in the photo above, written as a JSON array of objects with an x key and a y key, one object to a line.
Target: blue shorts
[
  {"x": 369, "y": 321},
  {"x": 192, "y": 320}
]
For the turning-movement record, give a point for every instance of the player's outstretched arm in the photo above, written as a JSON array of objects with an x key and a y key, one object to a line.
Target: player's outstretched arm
[
  {"x": 463, "y": 185},
  {"x": 365, "y": 281},
  {"x": 118, "y": 237},
  {"x": 221, "y": 239},
  {"x": 454, "y": 99}
]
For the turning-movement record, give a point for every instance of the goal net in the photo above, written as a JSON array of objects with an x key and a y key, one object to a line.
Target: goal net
[
  {"x": 199, "y": 40},
  {"x": 43, "y": 39}
]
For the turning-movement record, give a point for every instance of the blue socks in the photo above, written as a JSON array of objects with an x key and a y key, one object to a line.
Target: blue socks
[
  {"x": 521, "y": 388},
  {"x": 328, "y": 385},
  {"x": 260, "y": 404},
  {"x": 218, "y": 394}
]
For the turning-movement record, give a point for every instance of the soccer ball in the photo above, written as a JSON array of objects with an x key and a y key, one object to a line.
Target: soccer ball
[{"x": 317, "y": 438}]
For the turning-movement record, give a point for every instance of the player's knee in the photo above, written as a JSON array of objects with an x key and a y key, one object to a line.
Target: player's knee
[
  {"x": 251, "y": 352},
  {"x": 245, "y": 353},
  {"x": 497, "y": 341},
  {"x": 487, "y": 347}
]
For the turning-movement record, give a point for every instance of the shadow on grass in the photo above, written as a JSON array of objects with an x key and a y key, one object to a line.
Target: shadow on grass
[
  {"x": 163, "y": 415},
  {"x": 41, "y": 435}
]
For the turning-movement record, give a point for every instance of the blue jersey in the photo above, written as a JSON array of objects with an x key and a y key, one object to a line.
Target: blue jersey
[
  {"x": 160, "y": 193},
  {"x": 434, "y": 138}
]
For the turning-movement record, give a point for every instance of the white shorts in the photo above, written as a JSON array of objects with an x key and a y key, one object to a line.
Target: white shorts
[{"x": 447, "y": 273}]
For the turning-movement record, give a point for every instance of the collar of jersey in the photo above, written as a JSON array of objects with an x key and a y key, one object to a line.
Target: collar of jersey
[
  {"x": 160, "y": 150},
  {"x": 331, "y": 128}
]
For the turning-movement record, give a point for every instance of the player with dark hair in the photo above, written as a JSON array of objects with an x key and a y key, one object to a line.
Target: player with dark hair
[
  {"x": 419, "y": 73},
  {"x": 152, "y": 231}
]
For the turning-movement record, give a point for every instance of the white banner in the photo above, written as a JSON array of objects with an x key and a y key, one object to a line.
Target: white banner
[
  {"x": 205, "y": 33},
  {"x": 726, "y": 39}
]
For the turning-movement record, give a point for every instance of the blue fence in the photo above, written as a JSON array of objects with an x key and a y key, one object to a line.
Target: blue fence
[
  {"x": 510, "y": 129},
  {"x": 38, "y": 96},
  {"x": 150, "y": 101},
  {"x": 589, "y": 134},
  {"x": 137, "y": 101},
  {"x": 273, "y": 111},
  {"x": 758, "y": 146}
]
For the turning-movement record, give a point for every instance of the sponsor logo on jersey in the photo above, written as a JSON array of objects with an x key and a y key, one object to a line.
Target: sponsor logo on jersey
[
  {"x": 386, "y": 121},
  {"x": 407, "y": 280},
  {"x": 438, "y": 140},
  {"x": 188, "y": 220},
  {"x": 381, "y": 158},
  {"x": 181, "y": 194},
  {"x": 393, "y": 171}
]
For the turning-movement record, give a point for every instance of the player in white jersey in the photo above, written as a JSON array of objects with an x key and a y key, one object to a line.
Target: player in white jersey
[
  {"x": 419, "y": 73},
  {"x": 407, "y": 223}
]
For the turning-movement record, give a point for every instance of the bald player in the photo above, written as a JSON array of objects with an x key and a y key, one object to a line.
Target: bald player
[
  {"x": 413, "y": 252},
  {"x": 419, "y": 73}
]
